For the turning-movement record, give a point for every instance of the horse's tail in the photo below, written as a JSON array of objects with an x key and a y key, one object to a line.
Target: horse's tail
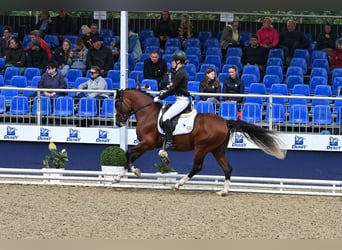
[{"x": 265, "y": 139}]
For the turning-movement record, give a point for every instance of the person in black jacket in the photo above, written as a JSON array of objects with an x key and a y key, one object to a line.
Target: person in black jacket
[
  {"x": 37, "y": 57},
  {"x": 165, "y": 28},
  {"x": 179, "y": 88},
  {"x": 210, "y": 84},
  {"x": 255, "y": 54},
  {"x": 291, "y": 39},
  {"x": 155, "y": 68},
  {"x": 100, "y": 55},
  {"x": 233, "y": 85},
  {"x": 327, "y": 40}
]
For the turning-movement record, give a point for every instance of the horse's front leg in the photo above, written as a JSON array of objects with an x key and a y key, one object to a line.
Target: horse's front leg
[{"x": 134, "y": 153}]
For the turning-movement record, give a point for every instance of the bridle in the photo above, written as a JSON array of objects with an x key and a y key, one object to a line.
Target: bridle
[{"x": 120, "y": 103}]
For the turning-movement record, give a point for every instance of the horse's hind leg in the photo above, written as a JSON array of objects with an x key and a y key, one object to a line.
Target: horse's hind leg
[{"x": 220, "y": 156}]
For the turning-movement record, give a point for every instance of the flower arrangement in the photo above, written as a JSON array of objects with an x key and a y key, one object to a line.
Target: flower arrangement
[
  {"x": 56, "y": 159},
  {"x": 164, "y": 165}
]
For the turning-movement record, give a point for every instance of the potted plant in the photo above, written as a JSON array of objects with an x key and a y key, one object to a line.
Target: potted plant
[
  {"x": 113, "y": 160},
  {"x": 56, "y": 159},
  {"x": 54, "y": 164}
]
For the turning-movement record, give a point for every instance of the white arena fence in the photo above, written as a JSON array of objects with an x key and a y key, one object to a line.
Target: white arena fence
[
  {"x": 160, "y": 181},
  {"x": 198, "y": 182}
]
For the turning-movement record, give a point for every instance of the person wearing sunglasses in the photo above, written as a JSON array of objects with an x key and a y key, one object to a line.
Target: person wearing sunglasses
[{"x": 96, "y": 82}]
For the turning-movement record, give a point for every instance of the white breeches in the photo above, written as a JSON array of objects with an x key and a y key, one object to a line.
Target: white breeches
[{"x": 181, "y": 103}]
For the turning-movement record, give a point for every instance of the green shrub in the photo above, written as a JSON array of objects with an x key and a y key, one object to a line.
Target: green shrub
[{"x": 113, "y": 156}]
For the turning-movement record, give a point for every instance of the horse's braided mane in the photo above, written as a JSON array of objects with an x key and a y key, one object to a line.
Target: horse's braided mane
[{"x": 141, "y": 91}]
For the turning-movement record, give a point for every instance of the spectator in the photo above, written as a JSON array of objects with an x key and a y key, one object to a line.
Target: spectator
[
  {"x": 291, "y": 40},
  {"x": 96, "y": 82},
  {"x": 78, "y": 56},
  {"x": 85, "y": 30},
  {"x": 134, "y": 45},
  {"x": 94, "y": 31},
  {"x": 255, "y": 54},
  {"x": 36, "y": 56},
  {"x": 64, "y": 25},
  {"x": 155, "y": 67},
  {"x": 210, "y": 84},
  {"x": 15, "y": 55},
  {"x": 35, "y": 35},
  {"x": 164, "y": 28},
  {"x": 327, "y": 40},
  {"x": 185, "y": 29},
  {"x": 336, "y": 56},
  {"x": 233, "y": 85},
  {"x": 51, "y": 79},
  {"x": 99, "y": 55},
  {"x": 230, "y": 36},
  {"x": 5, "y": 40},
  {"x": 268, "y": 35},
  {"x": 62, "y": 56},
  {"x": 45, "y": 24}
]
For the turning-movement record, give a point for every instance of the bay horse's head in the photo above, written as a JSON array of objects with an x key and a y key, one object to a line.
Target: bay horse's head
[{"x": 129, "y": 102}]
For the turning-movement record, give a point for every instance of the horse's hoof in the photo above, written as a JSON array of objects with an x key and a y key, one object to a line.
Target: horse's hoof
[
  {"x": 175, "y": 187},
  {"x": 221, "y": 193},
  {"x": 137, "y": 172}
]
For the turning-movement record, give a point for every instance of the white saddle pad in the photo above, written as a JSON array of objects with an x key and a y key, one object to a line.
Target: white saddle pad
[{"x": 184, "y": 125}]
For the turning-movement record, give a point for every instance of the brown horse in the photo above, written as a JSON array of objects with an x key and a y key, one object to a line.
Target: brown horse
[{"x": 210, "y": 134}]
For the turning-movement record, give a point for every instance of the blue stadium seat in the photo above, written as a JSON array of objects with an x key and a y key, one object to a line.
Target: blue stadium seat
[
  {"x": 151, "y": 83},
  {"x": 191, "y": 70},
  {"x": 252, "y": 69},
  {"x": 87, "y": 107},
  {"x": 298, "y": 114},
  {"x": 205, "y": 107},
  {"x": 45, "y": 105},
  {"x": 278, "y": 113},
  {"x": 64, "y": 106},
  {"x": 322, "y": 115},
  {"x": 19, "y": 105},
  {"x": 251, "y": 112},
  {"x": 292, "y": 80},
  {"x": 275, "y": 70},
  {"x": 228, "y": 110},
  {"x": 275, "y": 52},
  {"x": 107, "y": 109},
  {"x": 302, "y": 53},
  {"x": 269, "y": 80},
  {"x": 234, "y": 51},
  {"x": 30, "y": 72},
  {"x": 215, "y": 60},
  {"x": 300, "y": 62},
  {"x": 233, "y": 60},
  {"x": 248, "y": 79}
]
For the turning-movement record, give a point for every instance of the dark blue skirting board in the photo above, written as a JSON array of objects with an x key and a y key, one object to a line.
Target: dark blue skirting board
[{"x": 251, "y": 163}]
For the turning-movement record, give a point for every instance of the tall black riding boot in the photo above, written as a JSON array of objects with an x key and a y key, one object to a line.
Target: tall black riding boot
[{"x": 169, "y": 145}]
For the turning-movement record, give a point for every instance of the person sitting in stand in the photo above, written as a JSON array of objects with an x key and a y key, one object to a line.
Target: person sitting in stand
[
  {"x": 255, "y": 54},
  {"x": 5, "y": 40},
  {"x": 78, "y": 56},
  {"x": 185, "y": 29},
  {"x": 51, "y": 79},
  {"x": 234, "y": 85},
  {"x": 62, "y": 56},
  {"x": 96, "y": 82},
  {"x": 268, "y": 35},
  {"x": 15, "y": 56},
  {"x": 100, "y": 55},
  {"x": 37, "y": 57},
  {"x": 35, "y": 35},
  {"x": 336, "y": 56},
  {"x": 327, "y": 40},
  {"x": 290, "y": 40},
  {"x": 45, "y": 24},
  {"x": 230, "y": 37},
  {"x": 178, "y": 87},
  {"x": 155, "y": 68},
  {"x": 210, "y": 84}
]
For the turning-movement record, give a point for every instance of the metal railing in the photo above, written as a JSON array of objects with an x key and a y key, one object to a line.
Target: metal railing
[{"x": 166, "y": 181}]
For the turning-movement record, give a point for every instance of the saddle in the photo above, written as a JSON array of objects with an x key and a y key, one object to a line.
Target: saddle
[{"x": 182, "y": 123}]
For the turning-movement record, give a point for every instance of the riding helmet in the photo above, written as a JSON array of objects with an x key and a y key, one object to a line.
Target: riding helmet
[{"x": 179, "y": 55}]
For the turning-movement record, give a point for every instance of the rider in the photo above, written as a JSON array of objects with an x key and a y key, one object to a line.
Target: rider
[{"x": 179, "y": 87}]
